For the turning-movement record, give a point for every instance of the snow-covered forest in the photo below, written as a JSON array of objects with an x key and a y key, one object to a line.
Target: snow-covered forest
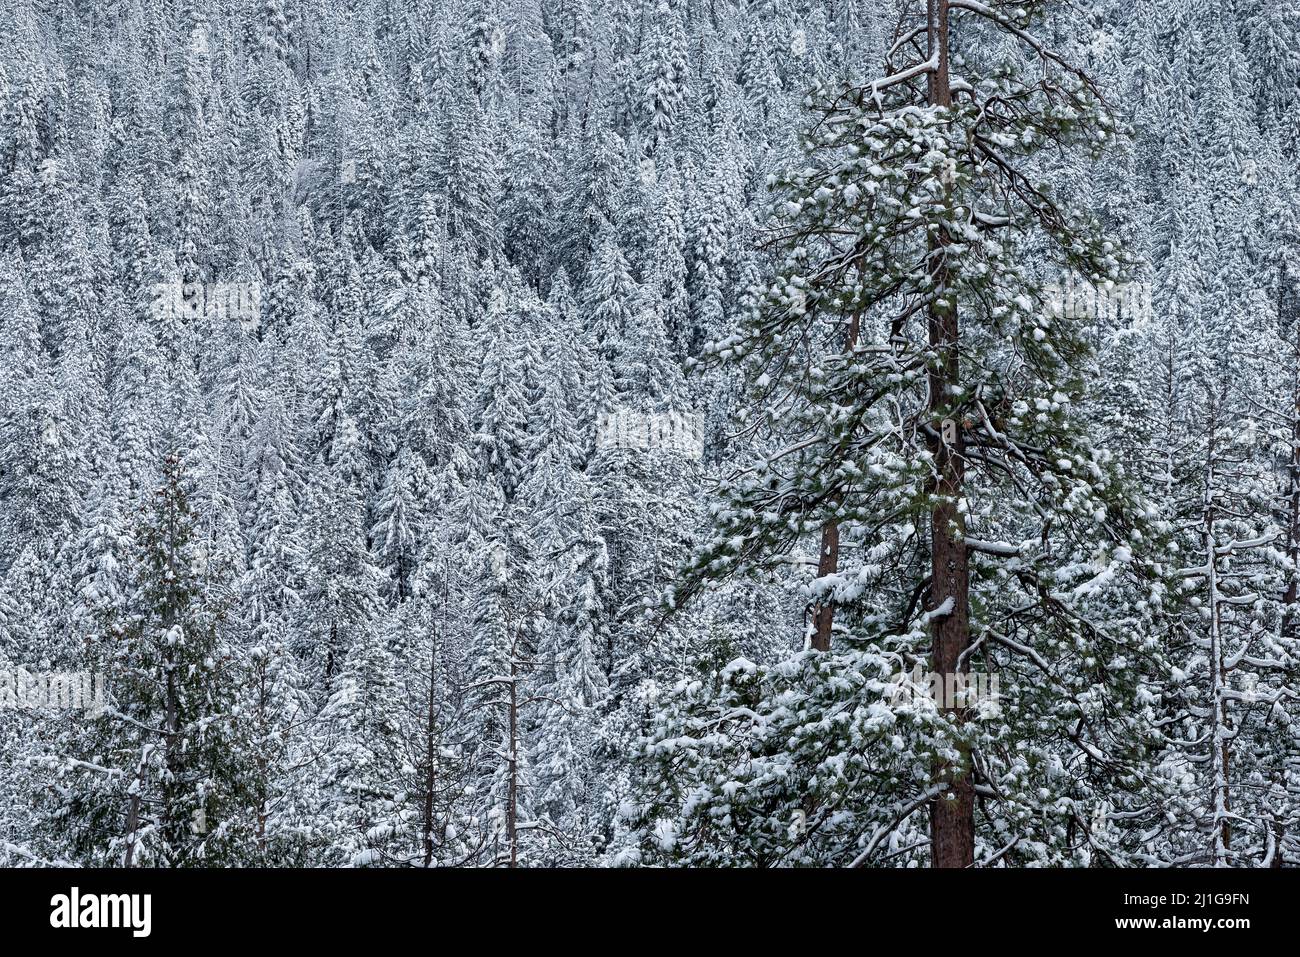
[{"x": 614, "y": 433}]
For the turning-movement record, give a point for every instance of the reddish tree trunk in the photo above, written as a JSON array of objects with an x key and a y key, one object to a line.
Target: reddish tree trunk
[
  {"x": 952, "y": 814},
  {"x": 828, "y": 559},
  {"x": 827, "y": 564}
]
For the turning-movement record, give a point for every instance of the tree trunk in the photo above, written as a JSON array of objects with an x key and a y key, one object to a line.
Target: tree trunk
[
  {"x": 329, "y": 659},
  {"x": 952, "y": 814},
  {"x": 1221, "y": 747},
  {"x": 828, "y": 559},
  {"x": 827, "y": 563},
  {"x": 132, "y": 825},
  {"x": 430, "y": 755},
  {"x": 512, "y": 800},
  {"x": 433, "y": 734},
  {"x": 1292, "y": 595}
]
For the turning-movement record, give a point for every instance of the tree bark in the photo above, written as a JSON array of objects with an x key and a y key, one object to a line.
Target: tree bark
[
  {"x": 952, "y": 813},
  {"x": 512, "y": 798},
  {"x": 828, "y": 559},
  {"x": 827, "y": 563},
  {"x": 430, "y": 754}
]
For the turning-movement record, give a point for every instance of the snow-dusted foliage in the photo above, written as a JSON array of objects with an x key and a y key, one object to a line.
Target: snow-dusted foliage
[{"x": 650, "y": 433}]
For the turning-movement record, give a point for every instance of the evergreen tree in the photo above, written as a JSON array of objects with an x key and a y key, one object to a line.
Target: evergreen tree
[
  {"x": 160, "y": 777},
  {"x": 901, "y": 233}
]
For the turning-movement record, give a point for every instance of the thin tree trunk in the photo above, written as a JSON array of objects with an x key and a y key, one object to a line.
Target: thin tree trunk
[
  {"x": 430, "y": 755},
  {"x": 329, "y": 659},
  {"x": 512, "y": 800},
  {"x": 828, "y": 561},
  {"x": 263, "y": 765},
  {"x": 1290, "y": 626},
  {"x": 952, "y": 814},
  {"x": 132, "y": 823},
  {"x": 828, "y": 558},
  {"x": 1220, "y": 745},
  {"x": 175, "y": 829}
]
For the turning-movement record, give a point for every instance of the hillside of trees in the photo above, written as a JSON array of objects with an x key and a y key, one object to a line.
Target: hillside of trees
[{"x": 553, "y": 432}]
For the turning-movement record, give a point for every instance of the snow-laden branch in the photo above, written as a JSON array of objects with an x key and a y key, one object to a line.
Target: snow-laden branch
[
  {"x": 1038, "y": 46},
  {"x": 1001, "y": 549}
]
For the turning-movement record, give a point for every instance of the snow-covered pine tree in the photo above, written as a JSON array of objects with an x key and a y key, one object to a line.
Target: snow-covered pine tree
[
  {"x": 161, "y": 775},
  {"x": 907, "y": 372}
]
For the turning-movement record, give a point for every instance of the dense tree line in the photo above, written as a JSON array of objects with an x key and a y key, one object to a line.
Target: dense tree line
[{"x": 550, "y": 432}]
